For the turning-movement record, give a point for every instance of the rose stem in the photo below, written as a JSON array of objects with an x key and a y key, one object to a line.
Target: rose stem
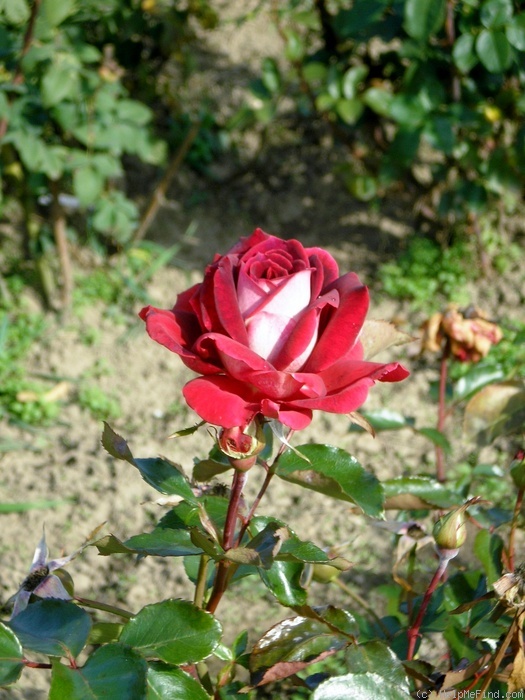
[
  {"x": 440, "y": 465},
  {"x": 200, "y": 588},
  {"x": 96, "y": 605},
  {"x": 413, "y": 630},
  {"x": 270, "y": 471},
  {"x": 262, "y": 491},
  {"x": 221, "y": 577},
  {"x": 513, "y": 526}
]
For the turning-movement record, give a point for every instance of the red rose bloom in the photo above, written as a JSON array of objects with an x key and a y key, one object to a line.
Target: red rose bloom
[{"x": 274, "y": 330}]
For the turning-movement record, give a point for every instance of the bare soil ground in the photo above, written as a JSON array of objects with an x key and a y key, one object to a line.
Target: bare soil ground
[{"x": 290, "y": 191}]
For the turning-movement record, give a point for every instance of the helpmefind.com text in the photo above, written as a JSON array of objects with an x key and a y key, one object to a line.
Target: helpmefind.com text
[{"x": 476, "y": 694}]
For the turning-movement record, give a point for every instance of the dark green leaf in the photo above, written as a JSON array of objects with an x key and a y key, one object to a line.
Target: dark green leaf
[
  {"x": 16, "y": 11},
  {"x": 52, "y": 627},
  {"x": 56, "y": 11},
  {"x": 352, "y": 79},
  {"x": 60, "y": 81},
  {"x": 112, "y": 671},
  {"x": 416, "y": 492},
  {"x": 163, "y": 542},
  {"x": 464, "y": 54},
  {"x": 515, "y": 31},
  {"x": 477, "y": 377},
  {"x": 87, "y": 185},
  {"x": 494, "y": 50},
  {"x": 11, "y": 656},
  {"x": 376, "y": 657},
  {"x": 365, "y": 686},
  {"x": 293, "y": 644},
  {"x": 207, "y": 469},
  {"x": 423, "y": 18},
  {"x": 435, "y": 436},
  {"x": 387, "y": 419},
  {"x": 495, "y": 14},
  {"x": 174, "y": 631},
  {"x": 105, "y": 632},
  {"x": 349, "y": 110},
  {"x": 168, "y": 683},
  {"x": 283, "y": 580},
  {"x": 109, "y": 544},
  {"x": 488, "y": 547},
  {"x": 379, "y": 100},
  {"x": 335, "y": 473},
  {"x": 163, "y": 475}
]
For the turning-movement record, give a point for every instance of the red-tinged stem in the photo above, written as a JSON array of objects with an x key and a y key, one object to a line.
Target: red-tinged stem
[
  {"x": 36, "y": 664},
  {"x": 413, "y": 630},
  {"x": 514, "y": 524},
  {"x": 442, "y": 414},
  {"x": 221, "y": 577},
  {"x": 270, "y": 471}
]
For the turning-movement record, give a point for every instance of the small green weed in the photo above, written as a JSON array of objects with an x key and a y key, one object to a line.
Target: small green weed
[
  {"x": 101, "y": 405},
  {"x": 426, "y": 273}
]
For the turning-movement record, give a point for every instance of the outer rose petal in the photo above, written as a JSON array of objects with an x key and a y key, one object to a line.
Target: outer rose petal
[
  {"x": 176, "y": 332},
  {"x": 221, "y": 401},
  {"x": 294, "y": 418},
  {"x": 344, "y": 323}
]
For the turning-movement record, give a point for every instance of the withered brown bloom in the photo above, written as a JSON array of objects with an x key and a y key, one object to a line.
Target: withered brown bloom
[{"x": 467, "y": 332}]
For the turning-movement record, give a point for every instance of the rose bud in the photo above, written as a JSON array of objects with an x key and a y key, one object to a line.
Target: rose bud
[
  {"x": 273, "y": 330},
  {"x": 242, "y": 447},
  {"x": 450, "y": 531}
]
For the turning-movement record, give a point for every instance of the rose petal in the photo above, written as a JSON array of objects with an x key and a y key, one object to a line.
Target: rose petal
[
  {"x": 293, "y": 350},
  {"x": 176, "y": 332},
  {"x": 226, "y": 302},
  {"x": 221, "y": 401},
  {"x": 294, "y": 418},
  {"x": 340, "y": 334}
]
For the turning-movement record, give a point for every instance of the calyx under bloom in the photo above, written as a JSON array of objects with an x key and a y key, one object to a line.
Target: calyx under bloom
[
  {"x": 273, "y": 330},
  {"x": 467, "y": 331},
  {"x": 242, "y": 447}
]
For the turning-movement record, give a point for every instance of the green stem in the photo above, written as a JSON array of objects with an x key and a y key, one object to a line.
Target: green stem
[
  {"x": 362, "y": 602},
  {"x": 200, "y": 588},
  {"x": 440, "y": 461},
  {"x": 413, "y": 630},
  {"x": 96, "y": 605},
  {"x": 221, "y": 577},
  {"x": 513, "y": 526}
]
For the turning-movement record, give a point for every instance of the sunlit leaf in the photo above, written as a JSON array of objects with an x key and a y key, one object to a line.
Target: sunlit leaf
[
  {"x": 417, "y": 492},
  {"x": 488, "y": 548},
  {"x": 174, "y": 631},
  {"x": 53, "y": 627},
  {"x": 388, "y": 419},
  {"x": 424, "y": 17},
  {"x": 494, "y": 50},
  {"x": 283, "y": 580},
  {"x": 476, "y": 378},
  {"x": 11, "y": 656},
  {"x": 112, "y": 671},
  {"x": 168, "y": 683},
  {"x": 366, "y": 686},
  {"x": 380, "y": 335},
  {"x": 498, "y": 409},
  {"x": 293, "y": 644},
  {"x": 335, "y": 473},
  {"x": 163, "y": 475}
]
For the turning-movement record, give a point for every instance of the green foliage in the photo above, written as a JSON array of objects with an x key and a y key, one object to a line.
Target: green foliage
[
  {"x": 426, "y": 274},
  {"x": 101, "y": 405},
  {"x": 415, "y": 95},
  {"x": 19, "y": 331}
]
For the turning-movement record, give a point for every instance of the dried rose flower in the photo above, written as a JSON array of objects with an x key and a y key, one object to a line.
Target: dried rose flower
[{"x": 467, "y": 332}]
